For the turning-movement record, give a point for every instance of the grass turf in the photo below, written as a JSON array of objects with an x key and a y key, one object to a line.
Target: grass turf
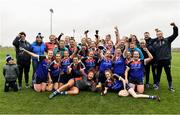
[{"x": 28, "y": 101}]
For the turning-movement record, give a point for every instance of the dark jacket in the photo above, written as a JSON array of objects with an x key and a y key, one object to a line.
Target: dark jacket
[
  {"x": 10, "y": 72},
  {"x": 144, "y": 53},
  {"x": 22, "y": 58},
  {"x": 149, "y": 45},
  {"x": 163, "y": 47}
]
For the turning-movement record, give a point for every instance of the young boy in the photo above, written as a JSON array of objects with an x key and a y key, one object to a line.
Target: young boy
[{"x": 10, "y": 72}]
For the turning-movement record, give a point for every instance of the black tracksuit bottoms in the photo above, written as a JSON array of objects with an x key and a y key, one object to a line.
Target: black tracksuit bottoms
[
  {"x": 25, "y": 68},
  {"x": 10, "y": 84},
  {"x": 153, "y": 67},
  {"x": 166, "y": 64}
]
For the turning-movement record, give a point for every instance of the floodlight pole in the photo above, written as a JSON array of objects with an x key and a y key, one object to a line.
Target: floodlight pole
[
  {"x": 51, "y": 12},
  {"x": 73, "y": 32}
]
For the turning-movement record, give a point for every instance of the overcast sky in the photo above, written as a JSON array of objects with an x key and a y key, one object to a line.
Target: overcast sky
[{"x": 131, "y": 16}]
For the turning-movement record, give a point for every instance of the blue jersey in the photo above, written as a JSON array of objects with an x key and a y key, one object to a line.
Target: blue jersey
[
  {"x": 119, "y": 65},
  {"x": 55, "y": 69},
  {"x": 76, "y": 69},
  {"x": 112, "y": 50},
  {"x": 105, "y": 65},
  {"x": 83, "y": 53},
  {"x": 115, "y": 85},
  {"x": 136, "y": 69},
  {"x": 65, "y": 63},
  {"x": 42, "y": 69},
  {"x": 72, "y": 50},
  {"x": 90, "y": 63}
]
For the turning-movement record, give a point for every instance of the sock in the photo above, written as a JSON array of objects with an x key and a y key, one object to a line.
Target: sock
[
  {"x": 55, "y": 93},
  {"x": 157, "y": 84},
  {"x": 152, "y": 97},
  {"x": 170, "y": 84},
  {"x": 63, "y": 93},
  {"x": 99, "y": 84}
]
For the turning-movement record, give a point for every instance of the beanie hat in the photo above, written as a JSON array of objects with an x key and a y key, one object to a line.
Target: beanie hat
[
  {"x": 39, "y": 36},
  {"x": 8, "y": 58}
]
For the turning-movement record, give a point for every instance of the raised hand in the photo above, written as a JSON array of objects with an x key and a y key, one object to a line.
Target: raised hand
[
  {"x": 172, "y": 24},
  {"x": 19, "y": 35},
  {"x": 116, "y": 28},
  {"x": 86, "y": 32},
  {"x": 97, "y": 32},
  {"x": 126, "y": 44},
  {"x": 96, "y": 35},
  {"x": 145, "y": 49},
  {"x": 116, "y": 33},
  {"x": 59, "y": 37},
  {"x": 21, "y": 49},
  {"x": 156, "y": 30}
]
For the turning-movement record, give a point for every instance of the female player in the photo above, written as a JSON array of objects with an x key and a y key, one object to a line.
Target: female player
[
  {"x": 116, "y": 83},
  {"x": 41, "y": 74},
  {"x": 54, "y": 74},
  {"x": 135, "y": 69},
  {"x": 73, "y": 86},
  {"x": 119, "y": 65},
  {"x": 105, "y": 64},
  {"x": 76, "y": 70},
  {"x": 65, "y": 62},
  {"x": 90, "y": 62}
]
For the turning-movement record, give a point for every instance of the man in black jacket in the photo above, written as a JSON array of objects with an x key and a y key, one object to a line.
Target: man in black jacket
[
  {"x": 149, "y": 44},
  {"x": 163, "y": 55},
  {"x": 23, "y": 60}
]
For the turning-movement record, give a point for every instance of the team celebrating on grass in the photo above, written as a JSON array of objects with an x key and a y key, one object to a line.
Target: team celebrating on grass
[{"x": 66, "y": 67}]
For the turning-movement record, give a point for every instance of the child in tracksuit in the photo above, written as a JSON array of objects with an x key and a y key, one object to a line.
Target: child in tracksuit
[{"x": 10, "y": 72}]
